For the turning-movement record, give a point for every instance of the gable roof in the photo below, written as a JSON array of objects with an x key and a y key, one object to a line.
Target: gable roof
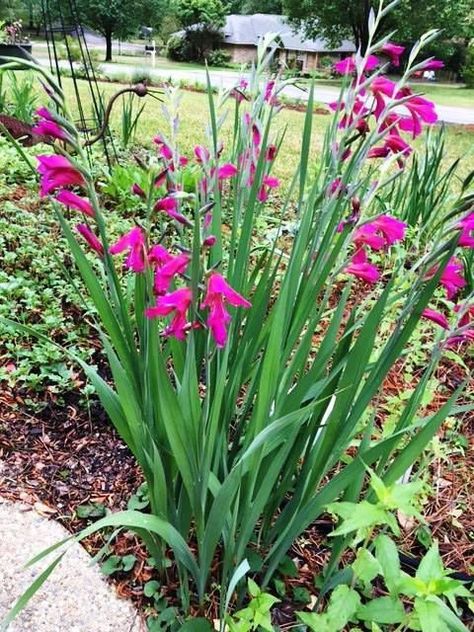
[{"x": 247, "y": 30}]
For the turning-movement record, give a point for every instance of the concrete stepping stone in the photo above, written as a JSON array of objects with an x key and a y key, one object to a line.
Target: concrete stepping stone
[{"x": 75, "y": 598}]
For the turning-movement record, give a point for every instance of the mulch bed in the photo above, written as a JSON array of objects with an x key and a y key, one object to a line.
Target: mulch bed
[{"x": 66, "y": 456}]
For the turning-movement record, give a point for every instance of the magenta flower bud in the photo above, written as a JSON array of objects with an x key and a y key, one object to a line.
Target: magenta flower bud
[
  {"x": 435, "y": 317},
  {"x": 137, "y": 190},
  {"x": 70, "y": 199},
  {"x": 91, "y": 239},
  {"x": 209, "y": 241},
  {"x": 160, "y": 179}
]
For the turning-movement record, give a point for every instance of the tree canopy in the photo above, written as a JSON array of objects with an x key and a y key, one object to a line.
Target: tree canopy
[
  {"x": 209, "y": 13},
  {"x": 336, "y": 19},
  {"x": 115, "y": 18}
]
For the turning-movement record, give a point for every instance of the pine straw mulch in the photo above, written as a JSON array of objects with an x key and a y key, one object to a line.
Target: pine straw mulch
[{"x": 65, "y": 456}]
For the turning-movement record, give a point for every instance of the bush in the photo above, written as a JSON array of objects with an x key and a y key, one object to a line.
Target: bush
[
  {"x": 177, "y": 48},
  {"x": 468, "y": 68},
  {"x": 219, "y": 57}
]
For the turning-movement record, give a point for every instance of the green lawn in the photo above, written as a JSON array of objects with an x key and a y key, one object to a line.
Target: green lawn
[
  {"x": 194, "y": 117},
  {"x": 456, "y": 95},
  {"x": 165, "y": 63}
]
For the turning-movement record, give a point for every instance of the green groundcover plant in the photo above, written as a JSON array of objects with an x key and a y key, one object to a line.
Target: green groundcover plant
[{"x": 241, "y": 372}]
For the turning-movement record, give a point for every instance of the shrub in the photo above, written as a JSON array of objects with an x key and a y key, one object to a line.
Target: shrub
[
  {"x": 218, "y": 57},
  {"x": 468, "y": 68},
  {"x": 141, "y": 75},
  {"x": 177, "y": 48}
]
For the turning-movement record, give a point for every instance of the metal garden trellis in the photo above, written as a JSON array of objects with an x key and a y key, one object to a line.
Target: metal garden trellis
[{"x": 61, "y": 18}]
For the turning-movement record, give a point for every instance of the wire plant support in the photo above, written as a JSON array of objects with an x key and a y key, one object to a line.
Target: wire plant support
[{"x": 62, "y": 21}]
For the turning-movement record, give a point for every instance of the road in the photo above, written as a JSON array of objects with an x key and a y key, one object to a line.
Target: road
[{"x": 227, "y": 78}]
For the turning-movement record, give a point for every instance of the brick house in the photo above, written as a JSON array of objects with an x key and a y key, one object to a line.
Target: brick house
[{"x": 242, "y": 33}]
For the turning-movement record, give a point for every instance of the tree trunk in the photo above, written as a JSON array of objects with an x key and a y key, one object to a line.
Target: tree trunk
[
  {"x": 31, "y": 24},
  {"x": 108, "y": 46}
]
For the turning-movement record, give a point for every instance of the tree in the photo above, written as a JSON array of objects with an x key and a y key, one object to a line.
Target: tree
[
  {"x": 209, "y": 13},
  {"x": 9, "y": 9},
  {"x": 202, "y": 20},
  {"x": 248, "y": 7},
  {"x": 111, "y": 18},
  {"x": 337, "y": 19}
]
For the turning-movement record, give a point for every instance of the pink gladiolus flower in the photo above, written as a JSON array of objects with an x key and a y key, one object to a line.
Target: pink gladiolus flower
[
  {"x": 226, "y": 171},
  {"x": 361, "y": 269},
  {"x": 421, "y": 110},
  {"x": 393, "y": 143},
  {"x": 218, "y": 294},
  {"x": 202, "y": 154},
  {"x": 165, "y": 273},
  {"x": 466, "y": 240},
  {"x": 336, "y": 187},
  {"x": 165, "y": 150},
  {"x": 367, "y": 235},
  {"x": 436, "y": 317},
  {"x": 378, "y": 152},
  {"x": 178, "y": 302},
  {"x": 68, "y": 198},
  {"x": 268, "y": 182},
  {"x": 48, "y": 126},
  {"x": 57, "y": 172},
  {"x": 158, "y": 255},
  {"x": 91, "y": 239},
  {"x": 465, "y": 336},
  {"x": 268, "y": 94},
  {"x": 393, "y": 51},
  {"x": 468, "y": 314},
  {"x": 433, "y": 64},
  {"x": 391, "y": 229},
  {"x": 452, "y": 279},
  {"x": 347, "y": 66},
  {"x": 134, "y": 242}
]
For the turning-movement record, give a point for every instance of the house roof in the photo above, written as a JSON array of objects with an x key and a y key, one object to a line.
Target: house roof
[{"x": 247, "y": 30}]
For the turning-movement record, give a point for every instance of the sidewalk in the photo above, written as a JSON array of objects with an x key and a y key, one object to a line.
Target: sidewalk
[{"x": 75, "y": 598}]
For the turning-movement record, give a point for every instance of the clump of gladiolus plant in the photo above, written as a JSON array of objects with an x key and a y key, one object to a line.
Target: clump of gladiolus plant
[{"x": 235, "y": 384}]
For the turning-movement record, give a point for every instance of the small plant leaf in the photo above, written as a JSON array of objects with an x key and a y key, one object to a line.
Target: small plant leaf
[
  {"x": 301, "y": 594},
  {"x": 382, "y": 610},
  {"x": 90, "y": 510},
  {"x": 366, "y": 566},
  {"x": 112, "y": 565},
  {"x": 128, "y": 562},
  {"x": 196, "y": 625},
  {"x": 151, "y": 588}
]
